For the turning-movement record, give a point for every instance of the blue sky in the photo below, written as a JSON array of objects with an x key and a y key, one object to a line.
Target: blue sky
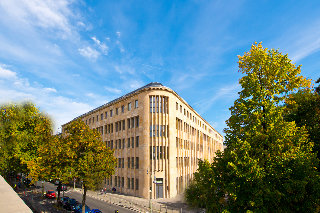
[{"x": 69, "y": 57}]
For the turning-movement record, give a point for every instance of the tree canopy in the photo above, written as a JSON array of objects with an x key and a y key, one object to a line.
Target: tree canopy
[
  {"x": 268, "y": 164},
  {"x": 78, "y": 154},
  {"x": 303, "y": 108},
  {"x": 23, "y": 128}
]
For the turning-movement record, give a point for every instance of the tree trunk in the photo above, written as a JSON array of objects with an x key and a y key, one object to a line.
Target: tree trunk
[
  {"x": 84, "y": 198},
  {"x": 59, "y": 189}
]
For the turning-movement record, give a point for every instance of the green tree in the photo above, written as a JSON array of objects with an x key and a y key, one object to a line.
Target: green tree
[
  {"x": 303, "y": 108},
  {"x": 23, "y": 128},
  {"x": 268, "y": 164},
  {"x": 79, "y": 154}
]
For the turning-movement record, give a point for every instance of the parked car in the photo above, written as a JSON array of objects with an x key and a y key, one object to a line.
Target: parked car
[
  {"x": 64, "y": 200},
  {"x": 78, "y": 209},
  {"x": 62, "y": 188},
  {"x": 51, "y": 194},
  {"x": 95, "y": 211},
  {"x": 70, "y": 204}
]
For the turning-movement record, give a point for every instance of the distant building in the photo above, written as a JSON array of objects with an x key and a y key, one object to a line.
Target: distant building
[{"x": 157, "y": 139}]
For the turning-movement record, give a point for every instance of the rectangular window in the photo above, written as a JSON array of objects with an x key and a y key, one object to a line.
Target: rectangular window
[
  {"x": 116, "y": 126},
  {"x": 137, "y": 141},
  {"x": 116, "y": 180},
  {"x": 119, "y": 162},
  {"x": 101, "y": 116},
  {"x": 111, "y": 128},
  {"x": 128, "y": 162},
  {"x": 132, "y": 122},
  {"x": 111, "y": 144},
  {"x": 89, "y": 120},
  {"x": 137, "y": 121},
  {"x": 128, "y": 121},
  {"x": 111, "y": 113},
  {"x": 132, "y": 142},
  {"x": 177, "y": 106},
  {"x": 137, "y": 184},
  {"x": 116, "y": 141},
  {"x": 128, "y": 142},
  {"x": 122, "y": 182},
  {"x": 86, "y": 122},
  {"x": 132, "y": 183},
  {"x": 97, "y": 118},
  {"x": 132, "y": 162},
  {"x": 136, "y": 104},
  {"x": 117, "y": 111},
  {"x": 106, "y": 114},
  {"x": 123, "y": 124},
  {"x": 119, "y": 143},
  {"x": 92, "y": 119},
  {"x": 123, "y": 143},
  {"x": 119, "y": 125},
  {"x": 128, "y": 183},
  {"x": 137, "y": 162},
  {"x": 129, "y": 106},
  {"x": 122, "y": 162},
  {"x": 150, "y": 104},
  {"x": 122, "y": 108}
]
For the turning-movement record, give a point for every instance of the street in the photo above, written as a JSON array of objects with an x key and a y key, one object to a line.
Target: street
[{"x": 91, "y": 202}]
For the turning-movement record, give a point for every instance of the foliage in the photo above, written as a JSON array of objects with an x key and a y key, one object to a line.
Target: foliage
[
  {"x": 79, "y": 154},
  {"x": 303, "y": 108},
  {"x": 23, "y": 128},
  {"x": 268, "y": 164}
]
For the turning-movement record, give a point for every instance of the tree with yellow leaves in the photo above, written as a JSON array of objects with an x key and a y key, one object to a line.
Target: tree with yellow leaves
[
  {"x": 79, "y": 154},
  {"x": 268, "y": 165},
  {"x": 23, "y": 128}
]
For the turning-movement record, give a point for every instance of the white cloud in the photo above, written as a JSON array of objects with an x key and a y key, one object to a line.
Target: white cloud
[
  {"x": 112, "y": 90},
  {"x": 102, "y": 46},
  {"x": 135, "y": 84},
  {"x": 5, "y": 73},
  {"x": 50, "y": 90},
  {"x": 88, "y": 52},
  {"x": 120, "y": 46},
  {"x": 300, "y": 42},
  {"x": 118, "y": 34},
  {"x": 124, "y": 69},
  {"x": 225, "y": 93},
  {"x": 60, "y": 108},
  {"x": 45, "y": 13}
]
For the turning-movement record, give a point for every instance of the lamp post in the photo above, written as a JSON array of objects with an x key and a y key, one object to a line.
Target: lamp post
[{"x": 150, "y": 190}]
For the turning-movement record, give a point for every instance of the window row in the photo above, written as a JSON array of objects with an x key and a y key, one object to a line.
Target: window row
[
  {"x": 121, "y": 143},
  {"x": 184, "y": 161},
  {"x": 120, "y": 125},
  {"x": 119, "y": 182},
  {"x": 132, "y": 162},
  {"x": 191, "y": 117},
  {"x": 158, "y": 104},
  {"x": 159, "y": 130},
  {"x": 159, "y": 152},
  {"x": 111, "y": 113}
]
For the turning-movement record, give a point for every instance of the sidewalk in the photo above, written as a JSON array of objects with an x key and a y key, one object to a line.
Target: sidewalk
[{"x": 174, "y": 205}]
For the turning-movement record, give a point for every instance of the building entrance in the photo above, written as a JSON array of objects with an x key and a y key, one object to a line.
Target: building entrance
[{"x": 159, "y": 188}]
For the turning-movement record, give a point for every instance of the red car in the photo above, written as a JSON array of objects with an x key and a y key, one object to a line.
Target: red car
[{"x": 51, "y": 194}]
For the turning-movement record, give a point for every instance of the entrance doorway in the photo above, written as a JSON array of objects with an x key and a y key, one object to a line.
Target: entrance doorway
[{"x": 159, "y": 188}]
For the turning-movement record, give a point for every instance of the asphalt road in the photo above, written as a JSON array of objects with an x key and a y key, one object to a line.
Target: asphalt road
[{"x": 91, "y": 202}]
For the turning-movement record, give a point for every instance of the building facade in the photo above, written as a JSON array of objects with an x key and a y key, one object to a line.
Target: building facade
[{"x": 157, "y": 139}]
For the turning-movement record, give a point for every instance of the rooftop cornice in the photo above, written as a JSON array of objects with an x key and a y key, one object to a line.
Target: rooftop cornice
[{"x": 150, "y": 86}]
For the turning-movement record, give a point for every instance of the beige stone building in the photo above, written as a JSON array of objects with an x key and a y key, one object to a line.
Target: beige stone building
[{"x": 157, "y": 138}]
